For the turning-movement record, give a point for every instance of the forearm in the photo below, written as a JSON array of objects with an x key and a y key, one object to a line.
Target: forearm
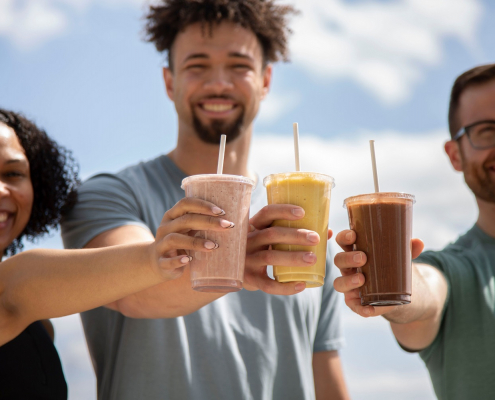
[
  {"x": 329, "y": 377},
  {"x": 167, "y": 300},
  {"x": 420, "y": 308},
  {"x": 416, "y": 325},
  {"x": 41, "y": 284}
]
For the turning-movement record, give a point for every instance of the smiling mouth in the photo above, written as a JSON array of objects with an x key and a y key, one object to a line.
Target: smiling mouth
[{"x": 218, "y": 108}]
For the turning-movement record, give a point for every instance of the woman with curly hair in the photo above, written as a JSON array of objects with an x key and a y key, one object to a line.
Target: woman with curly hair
[{"x": 38, "y": 179}]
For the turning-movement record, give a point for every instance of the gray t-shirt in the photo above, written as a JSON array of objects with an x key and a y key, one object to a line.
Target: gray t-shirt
[
  {"x": 461, "y": 359},
  {"x": 245, "y": 345}
]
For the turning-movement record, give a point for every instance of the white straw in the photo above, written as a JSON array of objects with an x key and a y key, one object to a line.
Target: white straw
[
  {"x": 296, "y": 145},
  {"x": 373, "y": 164},
  {"x": 221, "y": 154}
]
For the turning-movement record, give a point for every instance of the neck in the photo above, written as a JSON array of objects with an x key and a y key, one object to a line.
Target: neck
[
  {"x": 486, "y": 217},
  {"x": 193, "y": 156}
]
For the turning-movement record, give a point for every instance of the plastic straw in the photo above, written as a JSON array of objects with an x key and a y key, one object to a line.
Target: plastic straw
[
  {"x": 296, "y": 145},
  {"x": 221, "y": 154},
  {"x": 373, "y": 164}
]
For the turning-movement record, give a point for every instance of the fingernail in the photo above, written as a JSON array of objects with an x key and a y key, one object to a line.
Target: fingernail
[
  {"x": 313, "y": 237},
  {"x": 251, "y": 228},
  {"x": 210, "y": 245},
  {"x": 226, "y": 224},
  {"x": 357, "y": 257},
  {"x": 309, "y": 257},
  {"x": 217, "y": 211},
  {"x": 185, "y": 259},
  {"x": 348, "y": 236},
  {"x": 298, "y": 212},
  {"x": 300, "y": 287},
  {"x": 355, "y": 279}
]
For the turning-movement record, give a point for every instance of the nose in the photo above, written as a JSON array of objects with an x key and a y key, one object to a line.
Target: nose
[
  {"x": 219, "y": 81},
  {"x": 4, "y": 189}
]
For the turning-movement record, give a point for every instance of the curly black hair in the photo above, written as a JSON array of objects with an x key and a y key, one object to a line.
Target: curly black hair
[
  {"x": 267, "y": 20},
  {"x": 54, "y": 176}
]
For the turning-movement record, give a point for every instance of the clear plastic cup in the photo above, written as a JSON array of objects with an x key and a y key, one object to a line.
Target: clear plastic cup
[
  {"x": 383, "y": 225},
  {"x": 221, "y": 270},
  {"x": 311, "y": 191}
]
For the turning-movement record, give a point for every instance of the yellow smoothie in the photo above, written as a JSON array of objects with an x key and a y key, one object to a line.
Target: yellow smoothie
[{"x": 311, "y": 191}]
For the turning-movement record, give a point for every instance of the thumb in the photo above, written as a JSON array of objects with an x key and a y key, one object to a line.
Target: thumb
[{"x": 417, "y": 247}]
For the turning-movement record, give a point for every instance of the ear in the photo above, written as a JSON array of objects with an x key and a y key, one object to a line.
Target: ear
[
  {"x": 168, "y": 78},
  {"x": 454, "y": 152},
  {"x": 267, "y": 80}
]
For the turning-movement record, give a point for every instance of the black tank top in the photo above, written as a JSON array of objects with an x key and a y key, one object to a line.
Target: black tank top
[{"x": 30, "y": 368}]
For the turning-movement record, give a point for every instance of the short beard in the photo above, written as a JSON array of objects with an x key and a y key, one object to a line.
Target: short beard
[
  {"x": 211, "y": 134},
  {"x": 478, "y": 180}
]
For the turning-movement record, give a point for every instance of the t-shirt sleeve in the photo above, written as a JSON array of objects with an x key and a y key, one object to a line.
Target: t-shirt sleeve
[
  {"x": 104, "y": 202},
  {"x": 329, "y": 333}
]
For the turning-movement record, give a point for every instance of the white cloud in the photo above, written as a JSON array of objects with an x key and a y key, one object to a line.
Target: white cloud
[
  {"x": 277, "y": 104},
  {"x": 383, "y": 46},
  {"x": 30, "y": 22}
]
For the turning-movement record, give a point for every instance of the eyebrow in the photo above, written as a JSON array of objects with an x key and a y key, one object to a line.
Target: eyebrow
[
  {"x": 205, "y": 56},
  {"x": 16, "y": 160}
]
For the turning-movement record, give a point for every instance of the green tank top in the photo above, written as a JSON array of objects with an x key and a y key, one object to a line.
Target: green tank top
[{"x": 461, "y": 359}]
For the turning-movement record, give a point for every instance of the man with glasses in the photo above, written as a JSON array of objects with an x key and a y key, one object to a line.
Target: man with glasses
[{"x": 451, "y": 319}]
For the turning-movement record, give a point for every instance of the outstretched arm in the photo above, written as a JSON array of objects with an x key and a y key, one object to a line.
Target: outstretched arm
[
  {"x": 415, "y": 325},
  {"x": 41, "y": 284}
]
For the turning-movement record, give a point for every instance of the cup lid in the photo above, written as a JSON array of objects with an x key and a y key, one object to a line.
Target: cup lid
[
  {"x": 287, "y": 175},
  {"x": 216, "y": 178},
  {"x": 380, "y": 196}
]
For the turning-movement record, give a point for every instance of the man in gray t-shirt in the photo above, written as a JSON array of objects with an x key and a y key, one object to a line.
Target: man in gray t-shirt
[
  {"x": 451, "y": 319},
  {"x": 169, "y": 342}
]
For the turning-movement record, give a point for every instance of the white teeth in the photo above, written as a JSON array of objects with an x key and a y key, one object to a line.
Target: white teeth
[
  {"x": 218, "y": 107},
  {"x": 3, "y": 216}
]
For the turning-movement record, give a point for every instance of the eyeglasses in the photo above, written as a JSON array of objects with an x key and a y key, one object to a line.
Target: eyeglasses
[{"x": 481, "y": 134}]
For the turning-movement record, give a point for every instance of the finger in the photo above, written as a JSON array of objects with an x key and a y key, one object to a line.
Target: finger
[
  {"x": 265, "y": 217},
  {"x": 351, "y": 259},
  {"x": 280, "y": 235},
  {"x": 196, "y": 222},
  {"x": 194, "y": 206},
  {"x": 176, "y": 241},
  {"x": 355, "y": 305},
  {"x": 344, "y": 284},
  {"x": 285, "y": 258},
  {"x": 417, "y": 247},
  {"x": 346, "y": 239},
  {"x": 173, "y": 267},
  {"x": 262, "y": 282},
  {"x": 330, "y": 234}
]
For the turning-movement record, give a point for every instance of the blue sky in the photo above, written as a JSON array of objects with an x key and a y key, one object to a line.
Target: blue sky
[
  {"x": 96, "y": 86},
  {"x": 361, "y": 69}
]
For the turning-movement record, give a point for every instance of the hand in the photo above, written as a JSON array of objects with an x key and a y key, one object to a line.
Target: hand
[
  {"x": 176, "y": 233},
  {"x": 259, "y": 253},
  {"x": 351, "y": 280}
]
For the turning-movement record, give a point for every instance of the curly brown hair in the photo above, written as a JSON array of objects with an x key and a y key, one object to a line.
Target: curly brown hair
[
  {"x": 54, "y": 176},
  {"x": 267, "y": 20}
]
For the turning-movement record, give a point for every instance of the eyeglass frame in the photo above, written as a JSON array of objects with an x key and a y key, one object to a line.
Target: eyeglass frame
[{"x": 465, "y": 130}]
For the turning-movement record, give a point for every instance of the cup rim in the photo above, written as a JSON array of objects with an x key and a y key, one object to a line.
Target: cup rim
[
  {"x": 324, "y": 177},
  {"x": 219, "y": 177},
  {"x": 381, "y": 195}
]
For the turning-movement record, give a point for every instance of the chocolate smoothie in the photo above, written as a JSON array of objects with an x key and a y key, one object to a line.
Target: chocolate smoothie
[{"x": 383, "y": 226}]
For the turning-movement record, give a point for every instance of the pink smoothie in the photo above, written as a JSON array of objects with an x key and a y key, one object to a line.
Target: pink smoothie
[{"x": 221, "y": 270}]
